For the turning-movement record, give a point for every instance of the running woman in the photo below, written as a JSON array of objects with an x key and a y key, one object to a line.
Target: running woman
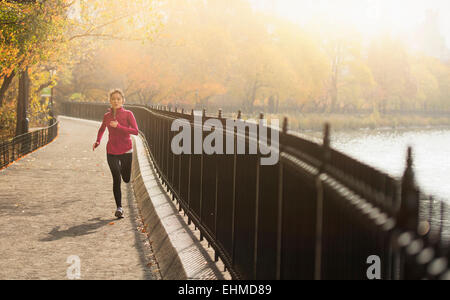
[{"x": 120, "y": 123}]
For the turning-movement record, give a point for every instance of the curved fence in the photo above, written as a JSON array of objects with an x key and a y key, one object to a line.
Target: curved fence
[
  {"x": 316, "y": 214},
  {"x": 21, "y": 145}
]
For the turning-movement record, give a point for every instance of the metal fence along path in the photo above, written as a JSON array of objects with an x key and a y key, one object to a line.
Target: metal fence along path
[
  {"x": 19, "y": 146},
  {"x": 316, "y": 214}
]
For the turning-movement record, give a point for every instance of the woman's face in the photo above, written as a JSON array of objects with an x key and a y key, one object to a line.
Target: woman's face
[{"x": 116, "y": 101}]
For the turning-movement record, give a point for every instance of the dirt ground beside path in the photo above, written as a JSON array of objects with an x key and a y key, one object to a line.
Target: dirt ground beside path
[{"x": 57, "y": 203}]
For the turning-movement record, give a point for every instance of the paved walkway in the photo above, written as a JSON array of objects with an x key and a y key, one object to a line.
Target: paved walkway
[{"x": 57, "y": 202}]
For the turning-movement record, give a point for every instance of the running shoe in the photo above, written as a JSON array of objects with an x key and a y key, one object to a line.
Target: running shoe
[{"x": 119, "y": 213}]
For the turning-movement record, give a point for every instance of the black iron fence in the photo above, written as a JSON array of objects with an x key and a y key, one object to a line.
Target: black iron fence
[
  {"x": 316, "y": 214},
  {"x": 13, "y": 149}
]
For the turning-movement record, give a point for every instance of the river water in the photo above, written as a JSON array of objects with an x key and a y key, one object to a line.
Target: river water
[{"x": 387, "y": 151}]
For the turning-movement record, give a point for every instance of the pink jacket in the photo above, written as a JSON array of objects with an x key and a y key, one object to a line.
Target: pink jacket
[{"x": 119, "y": 138}]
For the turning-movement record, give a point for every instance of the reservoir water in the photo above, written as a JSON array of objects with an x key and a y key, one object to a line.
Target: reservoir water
[{"x": 387, "y": 151}]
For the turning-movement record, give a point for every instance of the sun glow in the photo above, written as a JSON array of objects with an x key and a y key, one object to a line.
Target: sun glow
[{"x": 370, "y": 17}]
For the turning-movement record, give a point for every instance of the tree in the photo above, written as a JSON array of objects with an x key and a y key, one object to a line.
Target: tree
[
  {"x": 52, "y": 34},
  {"x": 388, "y": 60},
  {"x": 27, "y": 35}
]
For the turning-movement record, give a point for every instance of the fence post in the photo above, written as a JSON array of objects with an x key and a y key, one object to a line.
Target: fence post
[
  {"x": 217, "y": 166},
  {"x": 233, "y": 209},
  {"x": 190, "y": 171},
  {"x": 319, "y": 207},
  {"x": 258, "y": 172},
  {"x": 280, "y": 204},
  {"x": 408, "y": 214},
  {"x": 202, "y": 165}
]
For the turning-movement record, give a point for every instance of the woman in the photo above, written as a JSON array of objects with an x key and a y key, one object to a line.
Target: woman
[{"x": 121, "y": 123}]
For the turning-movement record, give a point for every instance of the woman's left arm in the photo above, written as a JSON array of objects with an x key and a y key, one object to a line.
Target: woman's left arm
[{"x": 131, "y": 130}]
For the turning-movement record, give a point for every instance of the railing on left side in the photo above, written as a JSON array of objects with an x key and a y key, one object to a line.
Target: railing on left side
[{"x": 21, "y": 145}]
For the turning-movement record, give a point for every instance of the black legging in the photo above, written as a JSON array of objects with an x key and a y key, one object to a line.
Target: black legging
[{"x": 120, "y": 165}]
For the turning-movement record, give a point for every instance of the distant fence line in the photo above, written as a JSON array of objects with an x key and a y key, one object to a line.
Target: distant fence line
[
  {"x": 317, "y": 214},
  {"x": 24, "y": 144},
  {"x": 232, "y": 109}
]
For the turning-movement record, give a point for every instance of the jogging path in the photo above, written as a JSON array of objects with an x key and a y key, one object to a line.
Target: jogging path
[{"x": 57, "y": 203}]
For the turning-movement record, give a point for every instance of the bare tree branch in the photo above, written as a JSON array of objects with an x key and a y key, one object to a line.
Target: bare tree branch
[
  {"x": 105, "y": 36},
  {"x": 90, "y": 30},
  {"x": 43, "y": 86}
]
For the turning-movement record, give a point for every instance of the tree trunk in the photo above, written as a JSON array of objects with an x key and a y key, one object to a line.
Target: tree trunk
[
  {"x": 251, "y": 99},
  {"x": 337, "y": 60},
  {"x": 5, "y": 85},
  {"x": 334, "y": 85},
  {"x": 271, "y": 104},
  {"x": 22, "y": 103}
]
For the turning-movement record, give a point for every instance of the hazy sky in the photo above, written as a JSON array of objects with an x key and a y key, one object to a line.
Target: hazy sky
[{"x": 369, "y": 16}]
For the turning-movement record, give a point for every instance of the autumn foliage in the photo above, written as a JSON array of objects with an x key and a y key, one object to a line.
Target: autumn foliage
[
  {"x": 47, "y": 38},
  {"x": 212, "y": 54},
  {"x": 224, "y": 54}
]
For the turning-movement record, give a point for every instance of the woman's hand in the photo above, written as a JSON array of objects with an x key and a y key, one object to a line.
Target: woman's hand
[
  {"x": 114, "y": 124},
  {"x": 95, "y": 146}
]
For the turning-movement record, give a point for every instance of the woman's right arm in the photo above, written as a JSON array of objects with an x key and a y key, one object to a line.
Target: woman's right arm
[{"x": 100, "y": 133}]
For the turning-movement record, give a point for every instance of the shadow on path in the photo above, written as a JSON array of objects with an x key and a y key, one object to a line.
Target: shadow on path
[{"x": 79, "y": 230}]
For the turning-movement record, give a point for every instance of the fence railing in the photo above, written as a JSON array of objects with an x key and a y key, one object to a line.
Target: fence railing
[
  {"x": 316, "y": 214},
  {"x": 21, "y": 145}
]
